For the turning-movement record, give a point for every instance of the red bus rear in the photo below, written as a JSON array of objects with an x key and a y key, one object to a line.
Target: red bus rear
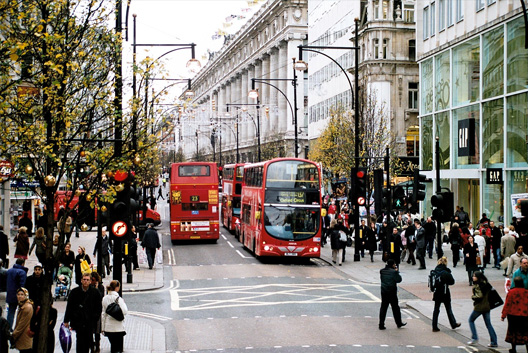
[
  {"x": 194, "y": 209},
  {"x": 281, "y": 208},
  {"x": 231, "y": 191}
]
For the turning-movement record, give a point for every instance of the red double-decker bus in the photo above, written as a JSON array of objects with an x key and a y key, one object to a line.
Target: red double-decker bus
[
  {"x": 194, "y": 209},
  {"x": 232, "y": 175},
  {"x": 281, "y": 208}
]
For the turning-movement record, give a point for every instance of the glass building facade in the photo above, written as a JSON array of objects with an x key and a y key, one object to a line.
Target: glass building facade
[{"x": 474, "y": 102}]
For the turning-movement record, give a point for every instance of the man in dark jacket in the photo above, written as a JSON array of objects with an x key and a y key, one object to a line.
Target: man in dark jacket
[
  {"x": 430, "y": 234},
  {"x": 420, "y": 243},
  {"x": 390, "y": 277},
  {"x": 151, "y": 242},
  {"x": 394, "y": 246},
  {"x": 496, "y": 235},
  {"x": 25, "y": 221},
  {"x": 16, "y": 278},
  {"x": 35, "y": 284},
  {"x": 442, "y": 294},
  {"x": 106, "y": 249},
  {"x": 4, "y": 247},
  {"x": 82, "y": 313}
]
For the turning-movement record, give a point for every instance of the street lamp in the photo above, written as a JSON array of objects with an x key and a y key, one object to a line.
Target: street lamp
[
  {"x": 301, "y": 65},
  {"x": 257, "y": 124},
  {"x": 254, "y": 94},
  {"x": 235, "y": 134}
]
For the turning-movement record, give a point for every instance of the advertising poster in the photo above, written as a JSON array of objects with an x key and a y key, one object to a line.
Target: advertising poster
[{"x": 516, "y": 204}]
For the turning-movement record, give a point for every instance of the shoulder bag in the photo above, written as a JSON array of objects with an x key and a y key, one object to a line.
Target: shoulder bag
[
  {"x": 114, "y": 310},
  {"x": 494, "y": 299}
]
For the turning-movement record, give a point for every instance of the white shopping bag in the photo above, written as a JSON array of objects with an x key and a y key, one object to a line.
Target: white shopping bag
[
  {"x": 159, "y": 256},
  {"x": 142, "y": 256}
]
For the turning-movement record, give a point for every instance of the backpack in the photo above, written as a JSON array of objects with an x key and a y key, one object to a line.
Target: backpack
[{"x": 435, "y": 280}]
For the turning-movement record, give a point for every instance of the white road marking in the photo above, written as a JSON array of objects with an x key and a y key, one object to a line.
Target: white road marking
[
  {"x": 243, "y": 256},
  {"x": 229, "y": 243},
  {"x": 149, "y": 315},
  {"x": 410, "y": 313},
  {"x": 175, "y": 300},
  {"x": 223, "y": 236}
]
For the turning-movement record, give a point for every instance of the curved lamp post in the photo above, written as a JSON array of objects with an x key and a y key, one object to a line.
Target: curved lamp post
[{"x": 256, "y": 124}]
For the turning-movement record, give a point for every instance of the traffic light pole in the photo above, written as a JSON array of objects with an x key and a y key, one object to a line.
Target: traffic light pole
[{"x": 439, "y": 251}]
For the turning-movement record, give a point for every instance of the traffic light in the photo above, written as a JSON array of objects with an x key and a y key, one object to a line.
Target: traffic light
[
  {"x": 443, "y": 201},
  {"x": 398, "y": 196},
  {"x": 361, "y": 186},
  {"x": 387, "y": 199},
  {"x": 418, "y": 189}
]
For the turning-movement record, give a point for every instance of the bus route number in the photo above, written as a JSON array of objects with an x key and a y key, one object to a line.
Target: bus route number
[{"x": 195, "y": 198}]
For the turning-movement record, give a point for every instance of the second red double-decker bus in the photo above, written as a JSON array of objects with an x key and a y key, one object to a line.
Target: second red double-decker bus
[
  {"x": 232, "y": 175},
  {"x": 281, "y": 208},
  {"x": 194, "y": 209}
]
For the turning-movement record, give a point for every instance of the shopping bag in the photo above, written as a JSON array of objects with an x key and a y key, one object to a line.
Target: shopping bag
[
  {"x": 65, "y": 338},
  {"x": 507, "y": 284},
  {"x": 142, "y": 256},
  {"x": 85, "y": 267},
  {"x": 478, "y": 261},
  {"x": 159, "y": 257},
  {"x": 494, "y": 299}
]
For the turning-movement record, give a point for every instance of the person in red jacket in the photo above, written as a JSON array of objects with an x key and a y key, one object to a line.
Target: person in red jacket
[{"x": 516, "y": 310}]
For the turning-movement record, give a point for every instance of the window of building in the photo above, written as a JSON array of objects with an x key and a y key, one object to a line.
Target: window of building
[
  {"x": 412, "y": 49},
  {"x": 385, "y": 9},
  {"x": 408, "y": 13},
  {"x": 491, "y": 2},
  {"x": 466, "y": 127},
  {"x": 426, "y": 22},
  {"x": 466, "y": 72},
  {"x": 493, "y": 133},
  {"x": 413, "y": 141},
  {"x": 441, "y": 14},
  {"x": 385, "y": 48},
  {"x": 426, "y": 142},
  {"x": 442, "y": 81},
  {"x": 517, "y": 65},
  {"x": 442, "y": 126},
  {"x": 432, "y": 19},
  {"x": 426, "y": 86},
  {"x": 479, "y": 5},
  {"x": 413, "y": 95},
  {"x": 517, "y": 130},
  {"x": 375, "y": 42},
  {"x": 459, "y": 10},
  {"x": 376, "y": 9},
  {"x": 493, "y": 63},
  {"x": 450, "y": 13}
]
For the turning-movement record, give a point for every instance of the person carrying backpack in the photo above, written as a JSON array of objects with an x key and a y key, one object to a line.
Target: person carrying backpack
[{"x": 439, "y": 281}]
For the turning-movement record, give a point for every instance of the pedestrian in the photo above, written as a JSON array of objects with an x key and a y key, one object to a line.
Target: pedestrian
[
  {"x": 22, "y": 244},
  {"x": 39, "y": 242},
  {"x": 16, "y": 278},
  {"x": 21, "y": 336},
  {"x": 132, "y": 247},
  {"x": 372, "y": 241},
  {"x": 67, "y": 257},
  {"x": 515, "y": 260},
  {"x": 471, "y": 252},
  {"x": 442, "y": 295},
  {"x": 96, "y": 283},
  {"x": 430, "y": 234},
  {"x": 104, "y": 243},
  {"x": 481, "y": 242},
  {"x": 65, "y": 226},
  {"x": 52, "y": 321},
  {"x": 25, "y": 221},
  {"x": 332, "y": 209},
  {"x": 160, "y": 193},
  {"x": 420, "y": 243},
  {"x": 360, "y": 238},
  {"x": 411, "y": 244},
  {"x": 394, "y": 246},
  {"x": 35, "y": 284},
  {"x": 82, "y": 312},
  {"x": 4, "y": 247},
  {"x": 521, "y": 272},
  {"x": 151, "y": 242},
  {"x": 344, "y": 234},
  {"x": 81, "y": 256},
  {"x": 335, "y": 244},
  {"x": 3, "y": 277},
  {"x": 507, "y": 249},
  {"x": 481, "y": 306},
  {"x": 113, "y": 329},
  {"x": 404, "y": 243},
  {"x": 516, "y": 310},
  {"x": 5, "y": 334},
  {"x": 390, "y": 277},
  {"x": 325, "y": 222},
  {"x": 454, "y": 239},
  {"x": 496, "y": 235}
]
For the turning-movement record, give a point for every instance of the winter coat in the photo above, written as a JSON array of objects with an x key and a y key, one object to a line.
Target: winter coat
[
  {"x": 83, "y": 309},
  {"x": 481, "y": 242},
  {"x": 16, "y": 278},
  {"x": 480, "y": 297},
  {"x": 151, "y": 239},
  {"x": 105, "y": 247},
  {"x": 390, "y": 277},
  {"x": 508, "y": 245},
  {"x": 523, "y": 275},
  {"x": 40, "y": 244},
  {"x": 516, "y": 303},
  {"x": 23, "y": 319},
  {"x": 108, "y": 323},
  {"x": 35, "y": 287},
  {"x": 515, "y": 263},
  {"x": 442, "y": 294},
  {"x": 4, "y": 246},
  {"x": 335, "y": 243},
  {"x": 420, "y": 238},
  {"x": 471, "y": 260},
  {"x": 372, "y": 241},
  {"x": 22, "y": 245}
]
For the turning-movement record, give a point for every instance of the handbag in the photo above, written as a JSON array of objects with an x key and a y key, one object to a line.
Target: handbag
[
  {"x": 114, "y": 310},
  {"x": 85, "y": 267},
  {"x": 65, "y": 338},
  {"x": 494, "y": 299},
  {"x": 349, "y": 241},
  {"x": 342, "y": 236},
  {"x": 478, "y": 260}
]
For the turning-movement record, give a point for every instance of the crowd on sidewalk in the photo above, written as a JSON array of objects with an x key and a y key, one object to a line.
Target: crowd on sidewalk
[
  {"x": 88, "y": 310},
  {"x": 409, "y": 238}
]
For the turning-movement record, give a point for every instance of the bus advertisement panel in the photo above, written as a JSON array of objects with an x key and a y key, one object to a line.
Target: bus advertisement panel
[
  {"x": 231, "y": 191},
  {"x": 194, "y": 200},
  {"x": 281, "y": 208}
]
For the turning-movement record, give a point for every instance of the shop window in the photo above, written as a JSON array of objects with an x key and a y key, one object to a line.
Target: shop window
[
  {"x": 466, "y": 126},
  {"x": 492, "y": 133},
  {"x": 466, "y": 72}
]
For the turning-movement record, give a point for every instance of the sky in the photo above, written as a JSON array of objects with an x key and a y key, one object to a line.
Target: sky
[{"x": 182, "y": 22}]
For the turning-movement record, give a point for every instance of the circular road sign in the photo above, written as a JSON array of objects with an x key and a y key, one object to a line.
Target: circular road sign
[{"x": 119, "y": 228}]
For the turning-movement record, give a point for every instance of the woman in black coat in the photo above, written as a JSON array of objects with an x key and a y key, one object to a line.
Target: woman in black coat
[
  {"x": 470, "y": 252},
  {"x": 455, "y": 240},
  {"x": 372, "y": 240},
  {"x": 81, "y": 256},
  {"x": 335, "y": 243},
  {"x": 443, "y": 295}
]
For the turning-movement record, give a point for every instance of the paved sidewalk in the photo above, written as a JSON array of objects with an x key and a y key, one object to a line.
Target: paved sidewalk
[
  {"x": 415, "y": 282},
  {"x": 143, "y": 335}
]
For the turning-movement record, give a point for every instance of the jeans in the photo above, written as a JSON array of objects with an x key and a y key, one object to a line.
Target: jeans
[
  {"x": 11, "y": 310},
  {"x": 486, "y": 315},
  {"x": 151, "y": 256},
  {"x": 436, "y": 312},
  {"x": 497, "y": 253}
]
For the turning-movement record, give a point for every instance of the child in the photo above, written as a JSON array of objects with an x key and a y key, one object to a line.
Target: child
[
  {"x": 5, "y": 334},
  {"x": 62, "y": 286}
]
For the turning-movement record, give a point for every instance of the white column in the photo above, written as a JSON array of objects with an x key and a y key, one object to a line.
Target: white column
[
  {"x": 284, "y": 111},
  {"x": 274, "y": 93},
  {"x": 265, "y": 92}
]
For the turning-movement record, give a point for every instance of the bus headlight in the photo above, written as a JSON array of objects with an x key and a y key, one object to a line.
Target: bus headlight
[{"x": 267, "y": 248}]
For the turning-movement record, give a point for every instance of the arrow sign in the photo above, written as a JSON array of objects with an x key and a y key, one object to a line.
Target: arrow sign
[{"x": 119, "y": 228}]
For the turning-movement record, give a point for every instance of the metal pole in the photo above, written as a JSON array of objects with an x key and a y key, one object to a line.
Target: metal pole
[
  {"x": 387, "y": 170},
  {"x": 258, "y": 128},
  {"x": 238, "y": 154},
  {"x": 220, "y": 126},
  {"x": 294, "y": 82},
  {"x": 439, "y": 250},
  {"x": 197, "y": 145},
  {"x": 356, "y": 138}
]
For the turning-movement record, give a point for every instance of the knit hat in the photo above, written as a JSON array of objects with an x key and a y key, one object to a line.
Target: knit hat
[{"x": 38, "y": 264}]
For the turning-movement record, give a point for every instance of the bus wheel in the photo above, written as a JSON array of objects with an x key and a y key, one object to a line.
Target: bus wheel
[{"x": 174, "y": 241}]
